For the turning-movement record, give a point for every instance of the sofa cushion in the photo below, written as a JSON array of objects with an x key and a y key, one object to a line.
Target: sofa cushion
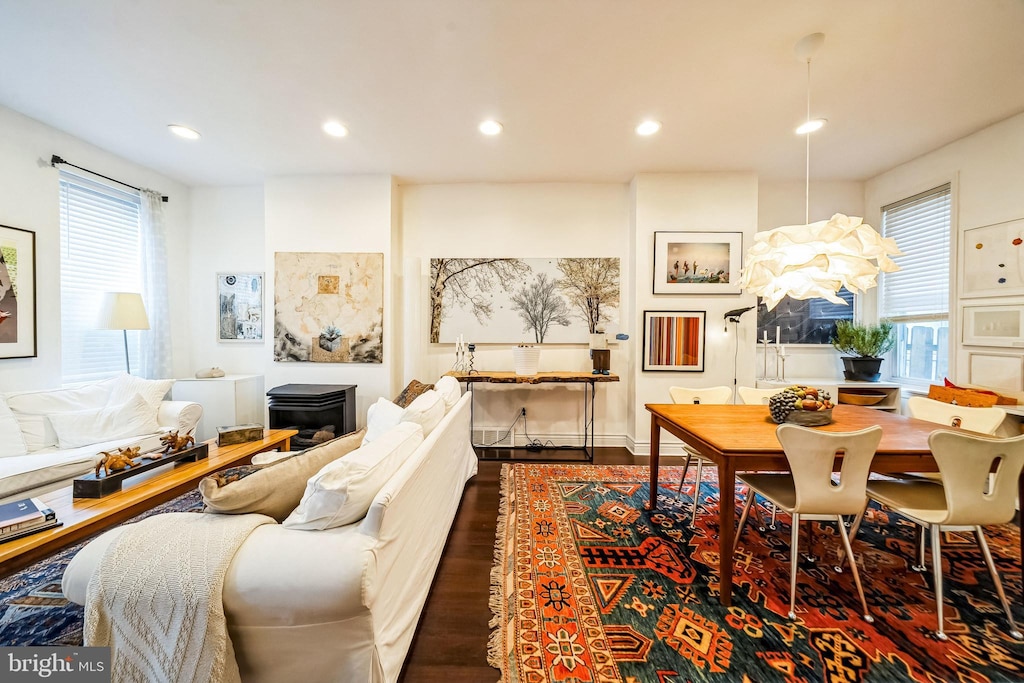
[
  {"x": 382, "y": 416},
  {"x": 276, "y": 488},
  {"x": 450, "y": 391},
  {"x": 12, "y": 443},
  {"x": 134, "y": 417},
  {"x": 125, "y": 386},
  {"x": 412, "y": 390},
  {"x": 427, "y": 411},
  {"x": 342, "y": 492},
  {"x": 31, "y": 408}
]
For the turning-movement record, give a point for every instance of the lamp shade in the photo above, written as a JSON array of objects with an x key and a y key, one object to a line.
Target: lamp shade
[
  {"x": 817, "y": 260},
  {"x": 122, "y": 311}
]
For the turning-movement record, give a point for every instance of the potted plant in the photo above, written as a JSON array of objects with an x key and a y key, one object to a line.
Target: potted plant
[{"x": 865, "y": 345}]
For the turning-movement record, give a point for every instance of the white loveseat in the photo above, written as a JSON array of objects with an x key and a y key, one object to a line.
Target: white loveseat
[
  {"x": 49, "y": 437},
  {"x": 340, "y": 604}
]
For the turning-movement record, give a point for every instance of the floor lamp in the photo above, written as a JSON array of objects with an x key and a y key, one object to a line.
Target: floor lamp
[{"x": 123, "y": 311}]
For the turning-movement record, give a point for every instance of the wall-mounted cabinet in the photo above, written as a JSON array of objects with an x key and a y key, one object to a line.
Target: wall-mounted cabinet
[{"x": 876, "y": 395}]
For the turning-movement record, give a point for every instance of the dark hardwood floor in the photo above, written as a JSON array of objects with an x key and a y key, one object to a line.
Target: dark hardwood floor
[{"x": 451, "y": 642}]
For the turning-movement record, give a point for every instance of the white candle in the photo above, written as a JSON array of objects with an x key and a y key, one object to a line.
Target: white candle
[
  {"x": 777, "y": 330},
  {"x": 766, "y": 337}
]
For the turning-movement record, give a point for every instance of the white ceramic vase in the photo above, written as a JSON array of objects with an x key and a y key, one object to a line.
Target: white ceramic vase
[{"x": 526, "y": 359}]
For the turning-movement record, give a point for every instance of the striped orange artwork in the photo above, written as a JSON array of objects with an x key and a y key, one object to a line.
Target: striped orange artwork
[{"x": 674, "y": 340}]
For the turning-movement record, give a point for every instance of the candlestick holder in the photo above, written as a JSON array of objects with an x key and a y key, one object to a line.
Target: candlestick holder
[
  {"x": 766, "y": 343},
  {"x": 780, "y": 364},
  {"x": 469, "y": 363}
]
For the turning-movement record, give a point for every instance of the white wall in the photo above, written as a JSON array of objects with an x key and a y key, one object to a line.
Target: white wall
[
  {"x": 334, "y": 214},
  {"x": 228, "y": 233},
  {"x": 723, "y": 202},
  {"x": 986, "y": 170},
  {"x": 518, "y": 220},
  {"x": 783, "y": 203},
  {"x": 30, "y": 200}
]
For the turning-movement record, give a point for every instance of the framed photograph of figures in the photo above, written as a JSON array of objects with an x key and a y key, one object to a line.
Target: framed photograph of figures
[
  {"x": 17, "y": 293},
  {"x": 674, "y": 341},
  {"x": 240, "y": 307},
  {"x": 697, "y": 262}
]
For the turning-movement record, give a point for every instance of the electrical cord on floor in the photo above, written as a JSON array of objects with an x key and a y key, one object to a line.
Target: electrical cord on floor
[{"x": 532, "y": 443}]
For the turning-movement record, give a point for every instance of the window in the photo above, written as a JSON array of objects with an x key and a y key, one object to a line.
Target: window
[
  {"x": 916, "y": 297},
  {"x": 99, "y": 252}
]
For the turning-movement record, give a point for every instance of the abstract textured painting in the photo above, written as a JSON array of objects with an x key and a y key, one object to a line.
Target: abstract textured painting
[
  {"x": 240, "y": 307},
  {"x": 328, "y": 307}
]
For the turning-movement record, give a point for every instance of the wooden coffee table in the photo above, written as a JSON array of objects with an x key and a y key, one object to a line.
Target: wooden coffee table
[{"x": 84, "y": 517}]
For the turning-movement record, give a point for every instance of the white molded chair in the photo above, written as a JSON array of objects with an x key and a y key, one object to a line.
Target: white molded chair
[
  {"x": 965, "y": 499},
  {"x": 753, "y": 396},
  {"x": 809, "y": 493},
  {"x": 980, "y": 420},
  {"x": 709, "y": 395}
]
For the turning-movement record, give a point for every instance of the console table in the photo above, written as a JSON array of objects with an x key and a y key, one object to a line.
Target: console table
[{"x": 588, "y": 379}]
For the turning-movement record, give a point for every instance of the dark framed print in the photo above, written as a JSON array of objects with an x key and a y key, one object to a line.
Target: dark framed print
[
  {"x": 674, "y": 341},
  {"x": 697, "y": 262},
  {"x": 17, "y": 293}
]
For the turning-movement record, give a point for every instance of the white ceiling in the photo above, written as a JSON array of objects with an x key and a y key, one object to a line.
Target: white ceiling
[{"x": 569, "y": 79}]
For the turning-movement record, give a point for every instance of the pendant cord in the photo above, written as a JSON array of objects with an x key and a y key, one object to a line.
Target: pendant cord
[{"x": 807, "y": 154}]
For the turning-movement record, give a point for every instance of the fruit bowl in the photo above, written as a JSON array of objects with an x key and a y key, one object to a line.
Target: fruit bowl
[
  {"x": 861, "y": 397},
  {"x": 810, "y": 418},
  {"x": 801, "y": 405}
]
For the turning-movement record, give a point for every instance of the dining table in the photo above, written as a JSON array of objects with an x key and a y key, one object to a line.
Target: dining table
[{"x": 741, "y": 438}]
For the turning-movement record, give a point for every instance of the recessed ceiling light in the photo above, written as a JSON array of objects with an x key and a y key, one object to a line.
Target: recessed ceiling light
[
  {"x": 335, "y": 129},
  {"x": 811, "y": 126},
  {"x": 184, "y": 131},
  {"x": 490, "y": 127},
  {"x": 648, "y": 127}
]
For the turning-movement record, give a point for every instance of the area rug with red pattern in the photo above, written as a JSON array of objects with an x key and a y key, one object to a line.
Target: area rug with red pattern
[{"x": 589, "y": 587}]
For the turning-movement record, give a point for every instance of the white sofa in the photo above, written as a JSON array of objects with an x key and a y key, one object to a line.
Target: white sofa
[
  {"x": 36, "y": 455},
  {"x": 340, "y": 604}
]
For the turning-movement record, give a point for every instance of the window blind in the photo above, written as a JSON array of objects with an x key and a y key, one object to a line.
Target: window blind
[
  {"x": 99, "y": 252},
  {"x": 920, "y": 225}
]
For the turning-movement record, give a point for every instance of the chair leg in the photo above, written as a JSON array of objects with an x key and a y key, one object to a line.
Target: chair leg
[
  {"x": 980, "y": 535},
  {"x": 757, "y": 511},
  {"x": 775, "y": 512},
  {"x": 937, "y": 572},
  {"x": 854, "y": 528},
  {"x": 743, "y": 521},
  {"x": 810, "y": 543},
  {"x": 853, "y": 567},
  {"x": 920, "y": 566},
  {"x": 682, "y": 479},
  {"x": 696, "y": 492},
  {"x": 793, "y": 554}
]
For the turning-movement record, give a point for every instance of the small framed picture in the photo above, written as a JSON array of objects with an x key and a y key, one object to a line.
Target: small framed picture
[
  {"x": 993, "y": 260},
  {"x": 697, "y": 262},
  {"x": 994, "y": 326},
  {"x": 240, "y": 307},
  {"x": 674, "y": 341},
  {"x": 17, "y": 293},
  {"x": 996, "y": 371}
]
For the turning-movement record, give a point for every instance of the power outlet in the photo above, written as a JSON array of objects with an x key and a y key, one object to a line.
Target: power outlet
[{"x": 523, "y": 413}]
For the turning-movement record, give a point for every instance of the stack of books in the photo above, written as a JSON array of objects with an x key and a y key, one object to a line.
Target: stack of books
[{"x": 23, "y": 517}]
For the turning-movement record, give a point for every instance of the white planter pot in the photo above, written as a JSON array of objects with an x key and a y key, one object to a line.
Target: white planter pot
[{"x": 526, "y": 359}]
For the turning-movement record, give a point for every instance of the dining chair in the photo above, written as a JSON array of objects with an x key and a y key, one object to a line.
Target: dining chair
[
  {"x": 809, "y": 492},
  {"x": 709, "y": 395},
  {"x": 980, "y": 420},
  {"x": 978, "y": 488},
  {"x": 753, "y": 396}
]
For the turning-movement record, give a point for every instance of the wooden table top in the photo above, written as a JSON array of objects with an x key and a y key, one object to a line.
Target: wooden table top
[
  {"x": 83, "y": 517},
  {"x": 508, "y": 377},
  {"x": 748, "y": 429}
]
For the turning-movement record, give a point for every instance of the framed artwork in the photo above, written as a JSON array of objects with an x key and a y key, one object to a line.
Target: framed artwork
[
  {"x": 674, "y": 341},
  {"x": 993, "y": 260},
  {"x": 17, "y": 293},
  {"x": 994, "y": 371},
  {"x": 240, "y": 307},
  {"x": 994, "y": 326},
  {"x": 522, "y": 300},
  {"x": 329, "y": 307},
  {"x": 697, "y": 262}
]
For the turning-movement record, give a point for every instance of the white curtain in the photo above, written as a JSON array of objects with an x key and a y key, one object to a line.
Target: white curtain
[{"x": 155, "y": 356}]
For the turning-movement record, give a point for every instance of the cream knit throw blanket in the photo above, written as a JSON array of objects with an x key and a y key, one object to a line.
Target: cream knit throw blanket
[{"x": 156, "y": 598}]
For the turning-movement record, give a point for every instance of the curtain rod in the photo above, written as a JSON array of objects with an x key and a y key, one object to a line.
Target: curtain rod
[{"x": 54, "y": 160}]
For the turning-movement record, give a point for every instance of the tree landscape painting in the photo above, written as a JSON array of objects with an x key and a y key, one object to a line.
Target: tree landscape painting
[
  {"x": 328, "y": 307},
  {"x": 523, "y": 300}
]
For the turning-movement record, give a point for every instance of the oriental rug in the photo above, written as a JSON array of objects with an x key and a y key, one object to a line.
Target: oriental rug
[
  {"x": 34, "y": 611},
  {"x": 590, "y": 587}
]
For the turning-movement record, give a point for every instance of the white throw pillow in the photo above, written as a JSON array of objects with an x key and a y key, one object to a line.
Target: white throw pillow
[
  {"x": 135, "y": 417},
  {"x": 427, "y": 411},
  {"x": 11, "y": 441},
  {"x": 450, "y": 391},
  {"x": 30, "y": 409},
  {"x": 381, "y": 417},
  {"x": 342, "y": 492},
  {"x": 126, "y": 386}
]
